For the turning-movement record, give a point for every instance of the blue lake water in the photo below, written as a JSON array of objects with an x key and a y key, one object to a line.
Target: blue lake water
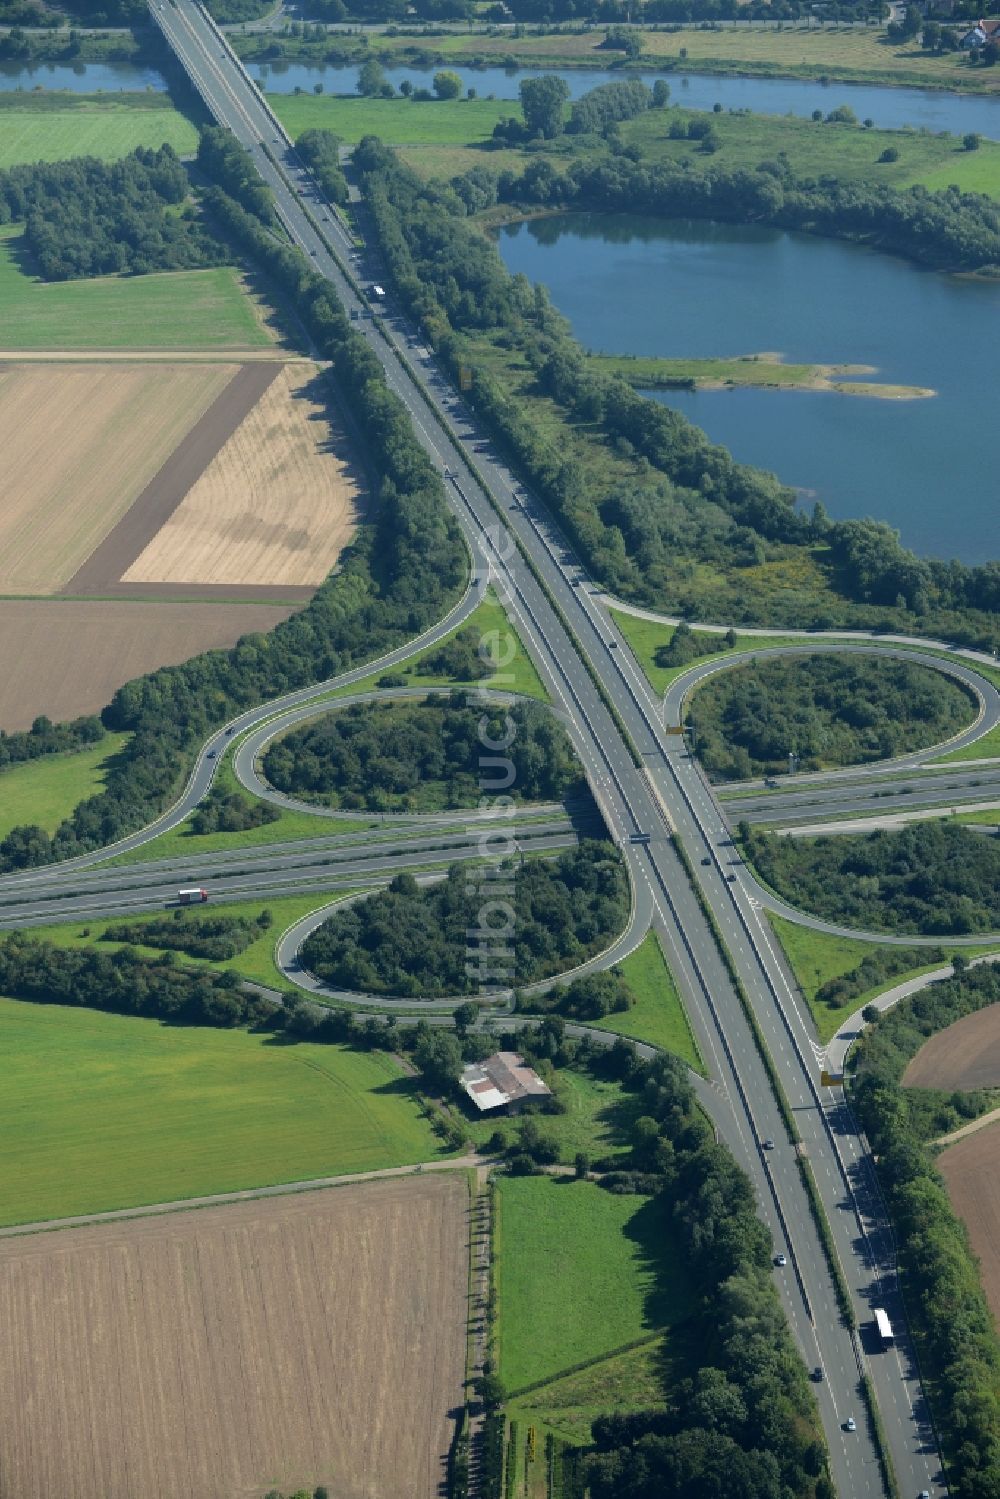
[{"x": 637, "y": 285}]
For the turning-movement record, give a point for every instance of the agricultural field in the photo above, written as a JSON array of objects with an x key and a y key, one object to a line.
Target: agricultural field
[
  {"x": 171, "y": 310},
  {"x": 118, "y": 425},
  {"x": 616, "y": 1252},
  {"x": 629, "y": 1381},
  {"x": 963, "y": 1057},
  {"x": 53, "y": 126},
  {"x": 317, "y": 1339},
  {"x": 65, "y": 657},
  {"x": 969, "y": 1168},
  {"x": 45, "y": 791},
  {"x": 103, "y": 1111},
  {"x": 397, "y": 121},
  {"x": 276, "y": 505}
]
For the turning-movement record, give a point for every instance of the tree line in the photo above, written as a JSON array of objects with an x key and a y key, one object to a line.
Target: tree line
[
  {"x": 85, "y": 217},
  {"x": 480, "y": 927},
  {"x": 48, "y": 738},
  {"x": 320, "y": 150},
  {"x": 406, "y": 756},
  {"x": 827, "y": 709},
  {"x": 199, "y": 936},
  {"x": 954, "y": 1330},
  {"x": 231, "y": 812},
  {"x": 932, "y": 878},
  {"x": 688, "y": 502},
  {"x": 402, "y": 572}
]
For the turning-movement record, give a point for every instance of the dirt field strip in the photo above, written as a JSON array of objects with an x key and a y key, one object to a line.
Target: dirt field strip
[
  {"x": 965, "y": 1056},
  {"x": 276, "y": 505},
  {"x": 63, "y": 657},
  {"x": 166, "y": 488},
  {"x": 314, "y": 1339},
  {"x": 79, "y": 444},
  {"x": 151, "y": 356},
  {"x": 970, "y": 1172}
]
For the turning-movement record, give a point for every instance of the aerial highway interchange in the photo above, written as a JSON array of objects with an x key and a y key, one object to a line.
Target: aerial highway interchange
[{"x": 614, "y": 719}]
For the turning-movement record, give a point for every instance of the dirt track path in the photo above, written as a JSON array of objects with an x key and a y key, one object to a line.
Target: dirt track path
[{"x": 280, "y": 1189}]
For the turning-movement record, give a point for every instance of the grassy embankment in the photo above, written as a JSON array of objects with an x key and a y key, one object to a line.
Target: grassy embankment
[
  {"x": 55, "y": 126},
  {"x": 255, "y": 963},
  {"x": 43, "y": 792},
  {"x": 189, "y": 310},
  {"x": 817, "y": 957},
  {"x": 658, "y": 1015},
  {"x": 104, "y": 1111},
  {"x": 629, "y": 1282}
]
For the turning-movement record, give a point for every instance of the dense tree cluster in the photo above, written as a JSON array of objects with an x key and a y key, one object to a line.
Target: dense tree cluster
[
  {"x": 91, "y": 218},
  {"x": 828, "y": 709},
  {"x": 451, "y": 938},
  {"x": 224, "y": 160},
  {"x": 607, "y": 104},
  {"x": 956, "y": 1335},
  {"x": 400, "y": 574},
  {"x": 320, "y": 150},
  {"x": 591, "y": 997},
  {"x": 200, "y": 936},
  {"x": 231, "y": 812},
  {"x": 690, "y": 502},
  {"x": 461, "y": 657},
  {"x": 686, "y": 645},
  {"x": 934, "y": 878},
  {"x": 875, "y": 972},
  {"x": 47, "y": 738},
  {"x": 440, "y": 752}
]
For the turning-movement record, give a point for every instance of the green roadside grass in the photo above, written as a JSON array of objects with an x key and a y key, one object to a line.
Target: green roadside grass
[
  {"x": 104, "y": 1111},
  {"x": 988, "y": 747},
  {"x": 44, "y": 792},
  {"x": 988, "y": 819},
  {"x": 817, "y": 957},
  {"x": 289, "y": 827},
  {"x": 658, "y": 1015},
  {"x": 255, "y": 962},
  {"x": 53, "y": 126},
  {"x": 646, "y": 637},
  {"x": 189, "y": 310},
  {"x": 579, "y": 1273}
]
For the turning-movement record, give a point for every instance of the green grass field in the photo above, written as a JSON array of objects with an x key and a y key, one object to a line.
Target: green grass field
[
  {"x": 55, "y": 126},
  {"x": 105, "y": 1111},
  {"x": 986, "y": 748},
  {"x": 596, "y": 1118},
  {"x": 658, "y": 1015},
  {"x": 397, "y": 121},
  {"x": 646, "y": 637},
  {"x": 817, "y": 957},
  {"x": 630, "y": 1381},
  {"x": 187, "y": 310},
  {"x": 580, "y": 1272},
  {"x": 45, "y": 791},
  {"x": 256, "y": 962}
]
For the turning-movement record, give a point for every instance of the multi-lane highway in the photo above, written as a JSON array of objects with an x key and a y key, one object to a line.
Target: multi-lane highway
[{"x": 574, "y": 646}]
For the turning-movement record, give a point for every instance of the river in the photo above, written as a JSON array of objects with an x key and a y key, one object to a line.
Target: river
[
  {"x": 891, "y": 108},
  {"x": 637, "y": 285}
]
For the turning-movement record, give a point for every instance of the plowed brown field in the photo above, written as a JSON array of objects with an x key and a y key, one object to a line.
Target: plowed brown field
[
  {"x": 966, "y": 1055},
  {"x": 970, "y": 1170},
  {"x": 65, "y": 657},
  {"x": 286, "y": 1342},
  {"x": 79, "y": 443},
  {"x": 276, "y": 505}
]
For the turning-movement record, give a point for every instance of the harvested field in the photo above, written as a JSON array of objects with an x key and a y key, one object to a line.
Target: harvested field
[
  {"x": 970, "y": 1172},
  {"x": 276, "y": 505},
  {"x": 80, "y": 442},
  {"x": 283, "y": 1342},
  {"x": 966, "y": 1055},
  {"x": 65, "y": 657}
]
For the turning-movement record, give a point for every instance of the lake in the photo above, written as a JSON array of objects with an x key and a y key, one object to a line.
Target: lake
[
  {"x": 892, "y": 108},
  {"x": 640, "y": 285}
]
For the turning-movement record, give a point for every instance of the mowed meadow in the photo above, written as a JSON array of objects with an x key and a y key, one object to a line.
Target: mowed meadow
[{"x": 104, "y": 1111}]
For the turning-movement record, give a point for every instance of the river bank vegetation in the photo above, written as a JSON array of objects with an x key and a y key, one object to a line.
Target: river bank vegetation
[
  {"x": 827, "y": 709},
  {"x": 928, "y": 878},
  {"x": 433, "y": 754},
  {"x": 428, "y": 942},
  {"x": 767, "y": 371},
  {"x": 946, "y": 1307}
]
